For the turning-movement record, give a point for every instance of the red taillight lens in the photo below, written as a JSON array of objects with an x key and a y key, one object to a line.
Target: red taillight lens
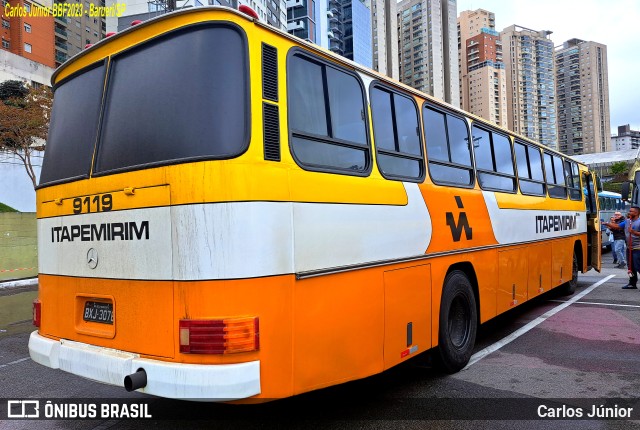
[
  {"x": 220, "y": 336},
  {"x": 37, "y": 312}
]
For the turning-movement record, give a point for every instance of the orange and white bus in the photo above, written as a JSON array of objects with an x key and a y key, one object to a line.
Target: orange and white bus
[{"x": 228, "y": 212}]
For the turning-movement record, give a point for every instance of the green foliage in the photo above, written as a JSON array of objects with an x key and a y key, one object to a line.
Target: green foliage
[
  {"x": 13, "y": 90},
  {"x": 619, "y": 168},
  {"x": 24, "y": 123},
  {"x": 5, "y": 208}
]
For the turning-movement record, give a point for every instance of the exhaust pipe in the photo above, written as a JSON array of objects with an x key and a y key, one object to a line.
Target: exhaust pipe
[{"x": 135, "y": 380}]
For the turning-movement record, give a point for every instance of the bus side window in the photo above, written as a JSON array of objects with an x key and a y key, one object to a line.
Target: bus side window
[
  {"x": 494, "y": 161},
  {"x": 576, "y": 191},
  {"x": 554, "y": 170},
  {"x": 448, "y": 150},
  {"x": 529, "y": 162},
  {"x": 572, "y": 176},
  {"x": 396, "y": 135},
  {"x": 326, "y": 118}
]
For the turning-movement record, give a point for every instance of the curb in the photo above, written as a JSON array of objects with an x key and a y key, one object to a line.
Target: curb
[{"x": 19, "y": 283}]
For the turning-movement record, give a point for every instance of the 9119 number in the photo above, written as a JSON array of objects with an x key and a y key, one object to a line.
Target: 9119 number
[{"x": 99, "y": 203}]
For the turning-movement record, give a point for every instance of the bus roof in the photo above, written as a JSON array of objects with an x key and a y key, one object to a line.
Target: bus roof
[
  {"x": 312, "y": 47},
  {"x": 609, "y": 194}
]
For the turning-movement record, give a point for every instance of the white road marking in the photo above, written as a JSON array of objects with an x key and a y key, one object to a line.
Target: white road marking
[
  {"x": 15, "y": 362},
  {"x": 597, "y": 303},
  {"x": 522, "y": 330}
]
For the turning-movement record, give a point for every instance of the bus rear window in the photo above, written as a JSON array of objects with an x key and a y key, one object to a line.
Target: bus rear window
[
  {"x": 74, "y": 127},
  {"x": 179, "y": 97}
]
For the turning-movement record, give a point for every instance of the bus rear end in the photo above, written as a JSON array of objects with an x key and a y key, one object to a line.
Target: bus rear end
[{"x": 158, "y": 271}]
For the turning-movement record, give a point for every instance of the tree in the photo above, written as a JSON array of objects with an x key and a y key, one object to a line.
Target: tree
[
  {"x": 13, "y": 90},
  {"x": 619, "y": 168},
  {"x": 24, "y": 122}
]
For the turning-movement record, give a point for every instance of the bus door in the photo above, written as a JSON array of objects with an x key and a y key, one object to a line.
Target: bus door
[
  {"x": 594, "y": 240},
  {"x": 633, "y": 188}
]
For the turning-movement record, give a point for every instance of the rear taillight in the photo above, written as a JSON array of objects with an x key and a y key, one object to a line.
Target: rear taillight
[
  {"x": 37, "y": 312},
  {"x": 219, "y": 336}
]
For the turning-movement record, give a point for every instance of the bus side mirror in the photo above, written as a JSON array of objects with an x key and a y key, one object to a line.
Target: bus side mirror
[{"x": 625, "y": 189}]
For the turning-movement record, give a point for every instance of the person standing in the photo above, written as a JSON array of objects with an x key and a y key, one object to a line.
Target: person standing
[
  {"x": 631, "y": 227},
  {"x": 619, "y": 246}
]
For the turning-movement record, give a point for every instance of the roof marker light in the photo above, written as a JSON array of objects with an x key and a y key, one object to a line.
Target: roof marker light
[
  {"x": 88, "y": 45},
  {"x": 248, "y": 11},
  {"x": 136, "y": 22},
  {"x": 109, "y": 34}
]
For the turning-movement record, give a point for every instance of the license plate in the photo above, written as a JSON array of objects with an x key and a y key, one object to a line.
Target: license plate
[{"x": 99, "y": 312}]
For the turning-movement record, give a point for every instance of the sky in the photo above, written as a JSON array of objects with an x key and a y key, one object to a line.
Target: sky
[{"x": 615, "y": 23}]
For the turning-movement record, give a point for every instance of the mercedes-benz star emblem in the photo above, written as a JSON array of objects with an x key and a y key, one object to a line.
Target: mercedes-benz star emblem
[{"x": 92, "y": 258}]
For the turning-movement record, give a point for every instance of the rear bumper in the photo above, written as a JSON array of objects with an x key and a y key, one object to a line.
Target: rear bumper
[{"x": 218, "y": 382}]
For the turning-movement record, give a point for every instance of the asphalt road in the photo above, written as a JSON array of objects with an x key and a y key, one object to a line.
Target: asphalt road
[{"x": 546, "y": 353}]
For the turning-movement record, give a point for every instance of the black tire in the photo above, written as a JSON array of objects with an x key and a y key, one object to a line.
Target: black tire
[
  {"x": 458, "y": 322},
  {"x": 570, "y": 287}
]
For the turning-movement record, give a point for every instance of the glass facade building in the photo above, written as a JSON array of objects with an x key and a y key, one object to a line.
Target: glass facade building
[{"x": 357, "y": 32}]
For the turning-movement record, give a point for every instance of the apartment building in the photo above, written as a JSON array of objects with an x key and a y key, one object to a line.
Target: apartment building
[
  {"x": 428, "y": 47},
  {"x": 273, "y": 12},
  {"x": 73, "y": 33},
  {"x": 303, "y": 19},
  {"x": 582, "y": 85},
  {"x": 626, "y": 139},
  {"x": 384, "y": 27},
  {"x": 531, "y": 95},
  {"x": 28, "y": 33},
  {"x": 486, "y": 81},
  {"x": 483, "y": 82}
]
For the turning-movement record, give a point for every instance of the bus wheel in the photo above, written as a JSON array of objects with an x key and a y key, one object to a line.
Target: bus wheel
[
  {"x": 458, "y": 322},
  {"x": 570, "y": 287}
]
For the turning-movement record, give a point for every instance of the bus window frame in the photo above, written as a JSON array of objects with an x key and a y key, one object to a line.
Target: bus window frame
[
  {"x": 576, "y": 189},
  {"x": 314, "y": 58},
  {"x": 528, "y": 147},
  {"x": 184, "y": 160},
  {"x": 377, "y": 84},
  {"x": 471, "y": 168},
  {"x": 104, "y": 62},
  {"x": 491, "y": 130},
  {"x": 564, "y": 185}
]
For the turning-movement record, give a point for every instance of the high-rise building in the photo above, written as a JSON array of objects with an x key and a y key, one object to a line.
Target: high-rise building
[
  {"x": 483, "y": 83},
  {"x": 384, "y": 27},
  {"x": 486, "y": 82},
  {"x": 302, "y": 20},
  {"x": 342, "y": 26},
  {"x": 470, "y": 23},
  {"x": 357, "y": 32},
  {"x": 273, "y": 12},
  {"x": 428, "y": 47},
  {"x": 626, "y": 139},
  {"x": 531, "y": 96},
  {"x": 582, "y": 85},
  {"x": 29, "y": 36},
  {"x": 73, "y": 33}
]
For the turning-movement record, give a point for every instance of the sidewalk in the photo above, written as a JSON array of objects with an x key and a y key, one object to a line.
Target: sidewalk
[{"x": 19, "y": 283}]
